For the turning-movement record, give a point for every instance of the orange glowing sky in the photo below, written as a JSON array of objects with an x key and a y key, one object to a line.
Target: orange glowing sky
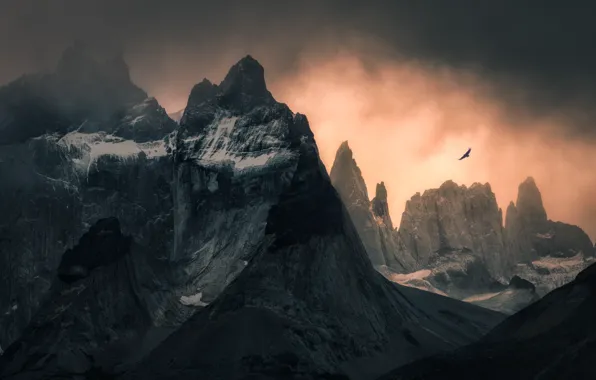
[{"x": 408, "y": 124}]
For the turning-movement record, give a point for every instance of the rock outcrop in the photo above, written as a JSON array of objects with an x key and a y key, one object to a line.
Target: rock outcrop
[
  {"x": 549, "y": 254},
  {"x": 455, "y": 217},
  {"x": 372, "y": 219}
]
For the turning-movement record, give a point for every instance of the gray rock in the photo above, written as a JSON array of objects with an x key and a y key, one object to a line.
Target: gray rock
[
  {"x": 455, "y": 217},
  {"x": 372, "y": 219}
]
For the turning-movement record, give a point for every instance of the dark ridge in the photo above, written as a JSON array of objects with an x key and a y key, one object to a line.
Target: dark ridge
[{"x": 202, "y": 92}]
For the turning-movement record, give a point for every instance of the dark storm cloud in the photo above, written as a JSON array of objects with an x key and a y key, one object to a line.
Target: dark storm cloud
[{"x": 539, "y": 54}]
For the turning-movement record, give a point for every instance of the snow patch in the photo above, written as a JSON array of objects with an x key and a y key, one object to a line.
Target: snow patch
[
  {"x": 563, "y": 263},
  {"x": 481, "y": 297},
  {"x": 95, "y": 145},
  {"x": 193, "y": 300},
  {"x": 418, "y": 275},
  {"x": 221, "y": 145}
]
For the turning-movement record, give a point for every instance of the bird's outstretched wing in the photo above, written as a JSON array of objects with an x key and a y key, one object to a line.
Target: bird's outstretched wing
[{"x": 467, "y": 154}]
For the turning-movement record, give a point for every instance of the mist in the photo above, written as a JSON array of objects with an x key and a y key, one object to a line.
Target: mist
[{"x": 408, "y": 124}]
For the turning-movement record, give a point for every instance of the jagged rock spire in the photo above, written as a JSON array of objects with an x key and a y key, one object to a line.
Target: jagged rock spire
[
  {"x": 529, "y": 202},
  {"x": 380, "y": 206}
]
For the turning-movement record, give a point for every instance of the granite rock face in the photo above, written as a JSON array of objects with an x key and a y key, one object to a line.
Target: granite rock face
[
  {"x": 550, "y": 254},
  {"x": 371, "y": 218},
  {"x": 455, "y": 217}
]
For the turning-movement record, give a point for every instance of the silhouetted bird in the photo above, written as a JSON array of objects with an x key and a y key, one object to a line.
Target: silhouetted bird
[{"x": 467, "y": 154}]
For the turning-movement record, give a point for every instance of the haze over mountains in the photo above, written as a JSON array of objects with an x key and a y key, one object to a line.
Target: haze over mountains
[{"x": 131, "y": 243}]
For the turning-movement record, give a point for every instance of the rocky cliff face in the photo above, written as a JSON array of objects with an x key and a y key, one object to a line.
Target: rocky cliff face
[
  {"x": 550, "y": 254},
  {"x": 372, "y": 219},
  {"x": 452, "y": 241},
  {"x": 227, "y": 230},
  {"x": 455, "y": 217}
]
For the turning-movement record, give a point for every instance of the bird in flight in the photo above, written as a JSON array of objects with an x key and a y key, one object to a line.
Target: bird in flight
[{"x": 466, "y": 155}]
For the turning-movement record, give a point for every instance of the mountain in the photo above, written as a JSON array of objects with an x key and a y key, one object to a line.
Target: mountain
[
  {"x": 551, "y": 339},
  {"x": 455, "y": 217},
  {"x": 372, "y": 220},
  {"x": 451, "y": 240},
  {"x": 79, "y": 144},
  {"x": 309, "y": 302},
  {"x": 227, "y": 230},
  {"x": 550, "y": 254}
]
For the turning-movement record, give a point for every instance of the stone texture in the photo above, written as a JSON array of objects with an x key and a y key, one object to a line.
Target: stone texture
[
  {"x": 372, "y": 219},
  {"x": 455, "y": 217}
]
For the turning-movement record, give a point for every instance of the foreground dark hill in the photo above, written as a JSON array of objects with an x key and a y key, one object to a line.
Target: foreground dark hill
[
  {"x": 309, "y": 303},
  {"x": 555, "y": 338}
]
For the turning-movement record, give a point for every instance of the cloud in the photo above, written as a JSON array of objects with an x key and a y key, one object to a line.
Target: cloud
[
  {"x": 408, "y": 124},
  {"x": 410, "y": 84}
]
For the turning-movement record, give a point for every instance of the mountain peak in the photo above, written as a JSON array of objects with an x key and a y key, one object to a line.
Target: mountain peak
[
  {"x": 244, "y": 85},
  {"x": 76, "y": 60},
  {"x": 202, "y": 91},
  {"x": 344, "y": 152},
  {"x": 380, "y": 206},
  {"x": 529, "y": 201},
  {"x": 381, "y": 191},
  {"x": 345, "y": 174}
]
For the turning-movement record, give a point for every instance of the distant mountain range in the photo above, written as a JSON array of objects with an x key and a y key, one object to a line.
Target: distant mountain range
[
  {"x": 452, "y": 240},
  {"x": 134, "y": 246}
]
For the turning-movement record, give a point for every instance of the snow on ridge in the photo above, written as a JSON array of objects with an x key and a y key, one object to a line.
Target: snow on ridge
[
  {"x": 221, "y": 145},
  {"x": 95, "y": 145},
  {"x": 404, "y": 277},
  {"x": 551, "y": 263},
  {"x": 481, "y": 297}
]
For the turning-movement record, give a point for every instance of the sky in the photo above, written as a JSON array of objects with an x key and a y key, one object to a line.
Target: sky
[{"x": 409, "y": 84}]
